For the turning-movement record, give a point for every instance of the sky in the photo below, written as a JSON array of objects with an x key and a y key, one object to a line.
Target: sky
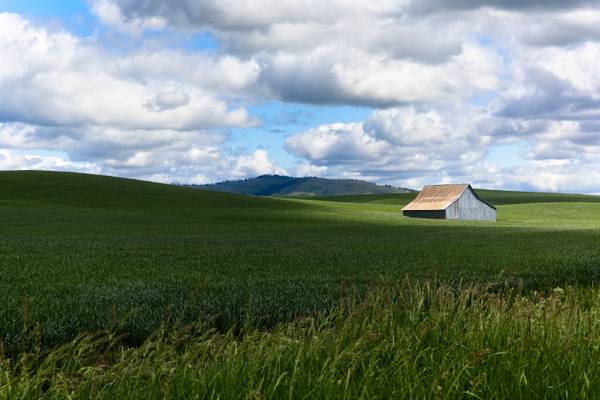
[{"x": 500, "y": 94}]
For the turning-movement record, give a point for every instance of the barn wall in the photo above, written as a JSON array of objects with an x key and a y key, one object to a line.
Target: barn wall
[
  {"x": 436, "y": 214},
  {"x": 469, "y": 207}
]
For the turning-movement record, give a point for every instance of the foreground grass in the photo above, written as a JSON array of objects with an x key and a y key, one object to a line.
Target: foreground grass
[{"x": 411, "y": 340}]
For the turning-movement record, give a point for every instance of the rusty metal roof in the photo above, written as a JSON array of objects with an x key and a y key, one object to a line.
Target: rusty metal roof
[{"x": 436, "y": 197}]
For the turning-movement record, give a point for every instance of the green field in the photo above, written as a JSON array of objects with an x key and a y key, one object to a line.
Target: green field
[
  {"x": 83, "y": 253},
  {"x": 80, "y": 252}
]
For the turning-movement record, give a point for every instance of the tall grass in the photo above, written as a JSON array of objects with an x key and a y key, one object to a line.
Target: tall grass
[{"x": 411, "y": 340}]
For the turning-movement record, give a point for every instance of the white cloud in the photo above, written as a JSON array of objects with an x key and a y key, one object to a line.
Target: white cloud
[
  {"x": 574, "y": 65},
  {"x": 136, "y": 115},
  {"x": 348, "y": 52},
  {"x": 167, "y": 100},
  {"x": 339, "y": 142},
  {"x": 110, "y": 14},
  {"x": 394, "y": 146},
  {"x": 159, "y": 155},
  {"x": 394, "y": 81},
  {"x": 13, "y": 160},
  {"x": 447, "y": 81},
  {"x": 550, "y": 176},
  {"x": 307, "y": 169},
  {"x": 410, "y": 147},
  {"x": 251, "y": 15},
  {"x": 49, "y": 78},
  {"x": 409, "y": 127},
  {"x": 256, "y": 163}
]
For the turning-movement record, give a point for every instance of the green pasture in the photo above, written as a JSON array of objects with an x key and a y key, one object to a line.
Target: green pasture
[{"x": 82, "y": 253}]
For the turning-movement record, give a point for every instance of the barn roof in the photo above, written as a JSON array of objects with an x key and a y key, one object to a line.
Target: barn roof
[{"x": 439, "y": 197}]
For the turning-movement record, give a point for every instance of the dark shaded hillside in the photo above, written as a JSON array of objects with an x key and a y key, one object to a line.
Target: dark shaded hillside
[
  {"x": 277, "y": 185},
  {"x": 104, "y": 192}
]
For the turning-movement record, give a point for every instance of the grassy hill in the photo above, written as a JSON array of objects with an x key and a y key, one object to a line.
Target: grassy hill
[
  {"x": 81, "y": 250},
  {"x": 277, "y": 185},
  {"x": 84, "y": 253}
]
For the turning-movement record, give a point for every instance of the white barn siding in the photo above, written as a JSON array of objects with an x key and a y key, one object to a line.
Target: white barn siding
[{"x": 469, "y": 207}]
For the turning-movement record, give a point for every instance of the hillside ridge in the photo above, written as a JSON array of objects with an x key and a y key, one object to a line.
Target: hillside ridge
[{"x": 280, "y": 185}]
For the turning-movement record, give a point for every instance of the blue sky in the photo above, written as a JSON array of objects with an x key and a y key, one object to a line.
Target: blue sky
[
  {"x": 59, "y": 9},
  {"x": 74, "y": 15},
  {"x": 499, "y": 95}
]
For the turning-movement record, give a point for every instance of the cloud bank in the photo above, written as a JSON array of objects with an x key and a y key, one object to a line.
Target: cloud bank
[{"x": 447, "y": 83}]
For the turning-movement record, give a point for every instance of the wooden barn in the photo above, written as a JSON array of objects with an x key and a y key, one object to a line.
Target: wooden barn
[{"x": 450, "y": 202}]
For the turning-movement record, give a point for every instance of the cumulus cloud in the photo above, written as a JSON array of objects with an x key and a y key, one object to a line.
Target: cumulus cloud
[
  {"x": 520, "y": 5},
  {"x": 56, "y": 79},
  {"x": 160, "y": 155},
  {"x": 410, "y": 147},
  {"x": 248, "y": 14},
  {"x": 339, "y": 52},
  {"x": 167, "y": 100},
  {"x": 110, "y": 14},
  {"x": 558, "y": 29},
  {"x": 339, "y": 143},
  {"x": 394, "y": 146},
  {"x": 446, "y": 82},
  {"x": 380, "y": 53},
  {"x": 12, "y": 160},
  {"x": 135, "y": 114},
  {"x": 357, "y": 77}
]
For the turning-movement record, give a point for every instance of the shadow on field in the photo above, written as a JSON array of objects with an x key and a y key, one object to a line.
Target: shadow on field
[{"x": 62, "y": 286}]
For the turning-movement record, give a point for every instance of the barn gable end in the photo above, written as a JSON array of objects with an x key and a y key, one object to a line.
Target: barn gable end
[{"x": 470, "y": 207}]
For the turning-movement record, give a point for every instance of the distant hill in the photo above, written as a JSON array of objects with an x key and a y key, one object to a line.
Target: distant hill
[{"x": 277, "y": 185}]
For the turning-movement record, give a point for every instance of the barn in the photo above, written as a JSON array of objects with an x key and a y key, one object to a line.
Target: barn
[{"x": 450, "y": 202}]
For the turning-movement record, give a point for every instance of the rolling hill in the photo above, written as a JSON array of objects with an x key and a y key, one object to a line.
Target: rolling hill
[
  {"x": 158, "y": 266},
  {"x": 110, "y": 245},
  {"x": 277, "y": 185}
]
